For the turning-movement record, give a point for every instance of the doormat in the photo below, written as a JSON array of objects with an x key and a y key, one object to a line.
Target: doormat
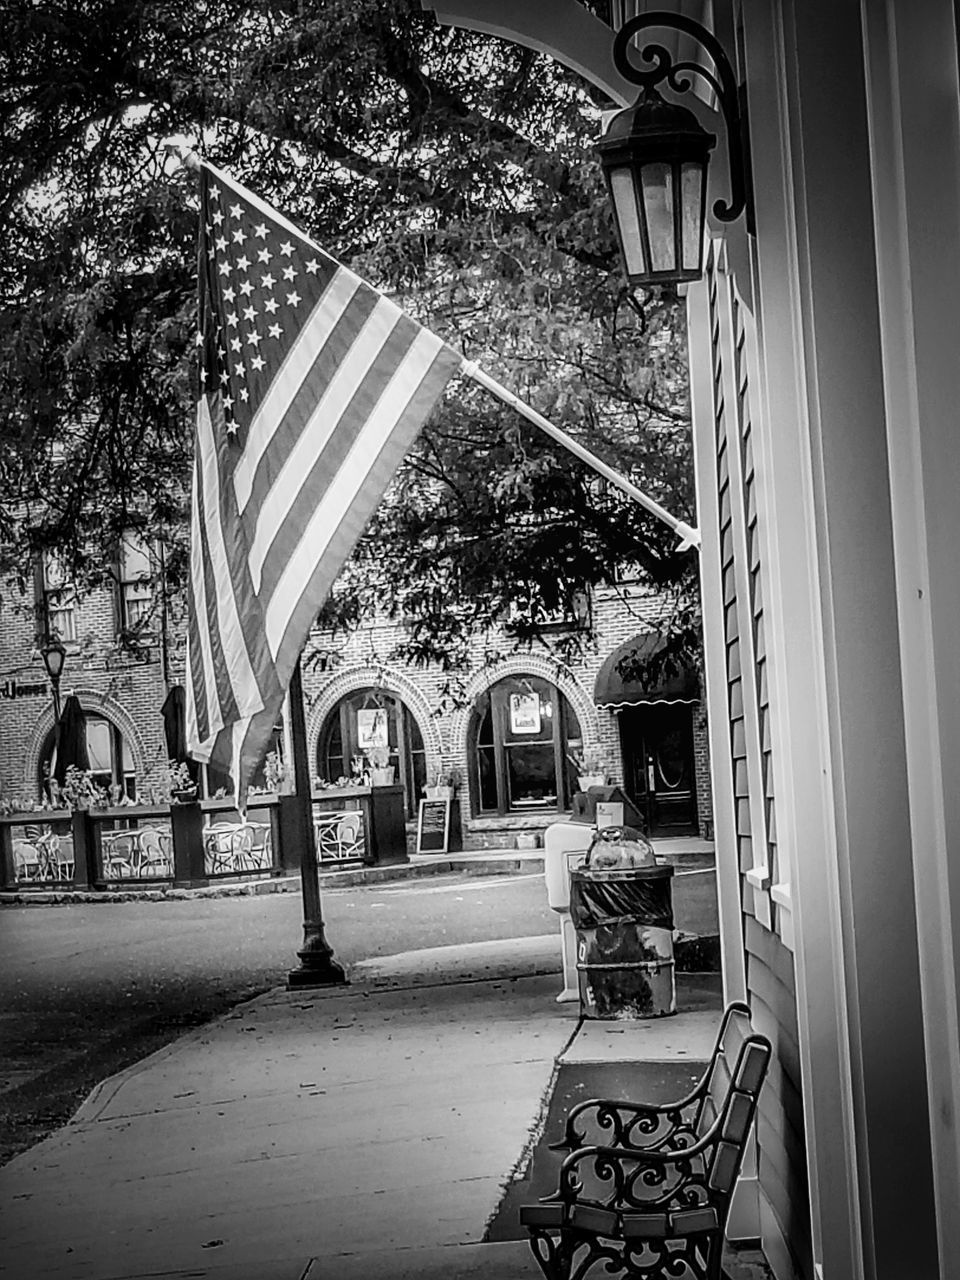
[{"x": 658, "y": 1082}]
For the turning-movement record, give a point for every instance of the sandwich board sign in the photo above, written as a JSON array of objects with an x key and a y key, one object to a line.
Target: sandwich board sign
[{"x": 433, "y": 826}]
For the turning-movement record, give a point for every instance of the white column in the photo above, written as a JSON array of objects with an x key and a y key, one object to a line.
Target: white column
[
  {"x": 914, "y": 112},
  {"x": 857, "y": 955}
]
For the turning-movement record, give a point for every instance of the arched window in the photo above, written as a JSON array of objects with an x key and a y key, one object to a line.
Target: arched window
[
  {"x": 522, "y": 734},
  {"x": 367, "y": 719},
  {"x": 111, "y": 761}
]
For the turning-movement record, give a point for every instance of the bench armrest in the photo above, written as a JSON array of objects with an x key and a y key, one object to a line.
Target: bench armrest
[
  {"x": 649, "y": 1126},
  {"x": 622, "y": 1180}
]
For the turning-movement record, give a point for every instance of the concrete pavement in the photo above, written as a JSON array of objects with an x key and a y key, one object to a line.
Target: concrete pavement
[
  {"x": 358, "y": 1132},
  {"x": 365, "y": 1131}
]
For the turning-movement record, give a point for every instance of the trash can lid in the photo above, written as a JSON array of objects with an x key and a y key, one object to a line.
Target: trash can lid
[{"x": 619, "y": 848}]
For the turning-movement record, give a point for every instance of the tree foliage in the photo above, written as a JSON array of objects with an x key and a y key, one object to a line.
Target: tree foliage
[{"x": 452, "y": 169}]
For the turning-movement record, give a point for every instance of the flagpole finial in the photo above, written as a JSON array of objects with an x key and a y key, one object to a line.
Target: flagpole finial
[
  {"x": 689, "y": 537},
  {"x": 180, "y": 146}
]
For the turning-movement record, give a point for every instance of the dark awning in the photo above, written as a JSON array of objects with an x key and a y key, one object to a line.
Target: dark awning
[{"x": 613, "y": 692}]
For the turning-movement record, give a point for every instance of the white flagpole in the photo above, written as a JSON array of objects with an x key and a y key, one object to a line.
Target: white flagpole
[{"x": 689, "y": 537}]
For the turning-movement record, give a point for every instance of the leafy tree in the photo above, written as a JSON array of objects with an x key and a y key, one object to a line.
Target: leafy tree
[{"x": 452, "y": 169}]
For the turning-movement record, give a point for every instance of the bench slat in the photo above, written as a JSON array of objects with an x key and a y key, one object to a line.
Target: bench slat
[
  {"x": 645, "y": 1226},
  {"x": 603, "y": 1221},
  {"x": 687, "y": 1222},
  {"x": 542, "y": 1215},
  {"x": 723, "y": 1167},
  {"x": 737, "y": 1120}
]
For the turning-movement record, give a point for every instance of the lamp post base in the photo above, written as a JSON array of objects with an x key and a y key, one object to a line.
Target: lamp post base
[{"x": 317, "y": 965}]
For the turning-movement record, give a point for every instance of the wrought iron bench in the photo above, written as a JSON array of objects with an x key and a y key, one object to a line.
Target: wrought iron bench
[{"x": 646, "y": 1189}]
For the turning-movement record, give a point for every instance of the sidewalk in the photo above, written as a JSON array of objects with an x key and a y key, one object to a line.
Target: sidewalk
[{"x": 366, "y": 1131}]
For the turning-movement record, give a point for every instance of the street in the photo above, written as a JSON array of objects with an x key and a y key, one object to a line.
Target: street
[{"x": 89, "y": 989}]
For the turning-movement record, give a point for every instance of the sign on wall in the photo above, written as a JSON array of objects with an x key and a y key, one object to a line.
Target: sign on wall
[
  {"x": 372, "y": 728},
  {"x": 20, "y": 689},
  {"x": 524, "y": 713}
]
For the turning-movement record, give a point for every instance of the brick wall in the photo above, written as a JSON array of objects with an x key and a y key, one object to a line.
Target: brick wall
[{"x": 127, "y": 690}]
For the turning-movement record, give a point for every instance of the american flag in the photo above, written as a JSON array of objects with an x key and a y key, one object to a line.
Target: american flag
[{"x": 312, "y": 387}]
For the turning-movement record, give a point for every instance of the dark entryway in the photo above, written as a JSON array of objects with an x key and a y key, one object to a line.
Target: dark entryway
[
  {"x": 655, "y": 716},
  {"x": 658, "y": 766}
]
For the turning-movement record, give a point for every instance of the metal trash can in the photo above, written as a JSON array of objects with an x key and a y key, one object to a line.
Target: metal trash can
[{"x": 621, "y": 908}]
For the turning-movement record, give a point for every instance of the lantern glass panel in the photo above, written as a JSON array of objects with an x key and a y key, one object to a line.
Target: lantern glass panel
[
  {"x": 628, "y": 219},
  {"x": 657, "y": 182},
  {"x": 53, "y": 656},
  {"x": 691, "y": 186}
]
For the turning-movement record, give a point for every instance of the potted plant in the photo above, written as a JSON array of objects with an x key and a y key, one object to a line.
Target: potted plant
[
  {"x": 274, "y": 771},
  {"x": 591, "y": 767},
  {"x": 443, "y": 785},
  {"x": 182, "y": 786},
  {"x": 80, "y": 791},
  {"x": 381, "y": 772}
]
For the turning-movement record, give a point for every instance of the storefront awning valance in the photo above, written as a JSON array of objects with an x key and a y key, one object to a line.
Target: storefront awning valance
[{"x": 613, "y": 692}]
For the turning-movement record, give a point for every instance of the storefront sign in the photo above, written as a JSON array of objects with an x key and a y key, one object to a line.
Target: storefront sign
[
  {"x": 524, "y": 713},
  {"x": 433, "y": 826},
  {"x": 372, "y": 728},
  {"x": 17, "y": 689},
  {"x": 609, "y": 813}
]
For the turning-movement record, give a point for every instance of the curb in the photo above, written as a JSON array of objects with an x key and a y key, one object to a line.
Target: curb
[{"x": 347, "y": 879}]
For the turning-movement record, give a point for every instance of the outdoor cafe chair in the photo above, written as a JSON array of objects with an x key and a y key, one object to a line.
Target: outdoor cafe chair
[
  {"x": 26, "y": 860},
  {"x": 153, "y": 852},
  {"x": 241, "y": 845},
  {"x": 119, "y": 854},
  {"x": 339, "y": 835},
  {"x": 260, "y": 853},
  {"x": 46, "y": 843},
  {"x": 217, "y": 847}
]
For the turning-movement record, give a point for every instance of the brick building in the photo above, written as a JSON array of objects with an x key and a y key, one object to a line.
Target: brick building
[{"x": 508, "y": 737}]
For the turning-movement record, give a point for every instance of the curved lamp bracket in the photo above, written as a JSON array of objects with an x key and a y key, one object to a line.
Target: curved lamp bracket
[{"x": 730, "y": 95}]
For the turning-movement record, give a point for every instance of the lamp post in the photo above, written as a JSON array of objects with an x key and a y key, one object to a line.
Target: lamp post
[
  {"x": 54, "y": 655},
  {"x": 655, "y": 155}
]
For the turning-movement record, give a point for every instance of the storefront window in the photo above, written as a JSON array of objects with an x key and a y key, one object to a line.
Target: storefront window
[
  {"x": 111, "y": 761},
  {"x": 367, "y": 720},
  {"x": 523, "y": 734}
]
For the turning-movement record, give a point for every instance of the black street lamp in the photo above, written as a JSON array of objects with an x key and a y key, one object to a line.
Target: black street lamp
[
  {"x": 54, "y": 655},
  {"x": 655, "y": 154}
]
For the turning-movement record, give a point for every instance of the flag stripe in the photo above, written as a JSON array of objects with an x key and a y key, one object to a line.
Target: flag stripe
[
  {"x": 358, "y": 513},
  {"x": 287, "y": 384},
  {"x": 235, "y": 680},
  {"x": 335, "y": 506},
  {"x": 199, "y": 670},
  {"x": 222, "y": 706},
  {"x": 351, "y": 384},
  {"x": 321, "y": 469},
  {"x": 201, "y": 635},
  {"x": 312, "y": 414}
]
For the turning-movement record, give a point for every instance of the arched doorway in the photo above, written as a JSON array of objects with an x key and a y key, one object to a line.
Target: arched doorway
[
  {"x": 655, "y": 721},
  {"x": 367, "y": 719}
]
